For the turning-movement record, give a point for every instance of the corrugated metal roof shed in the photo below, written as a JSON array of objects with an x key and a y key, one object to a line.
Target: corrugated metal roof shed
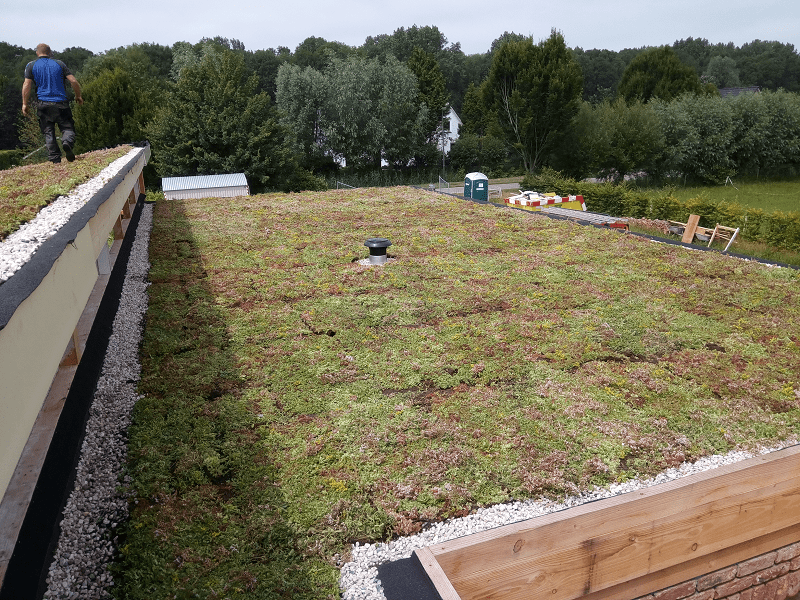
[
  {"x": 171, "y": 184},
  {"x": 204, "y": 186}
]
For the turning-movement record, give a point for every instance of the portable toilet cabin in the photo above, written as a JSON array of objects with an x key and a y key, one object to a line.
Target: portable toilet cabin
[{"x": 476, "y": 186}]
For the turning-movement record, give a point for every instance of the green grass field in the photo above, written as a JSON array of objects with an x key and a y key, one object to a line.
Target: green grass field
[
  {"x": 296, "y": 401},
  {"x": 769, "y": 196},
  {"x": 740, "y": 246}
]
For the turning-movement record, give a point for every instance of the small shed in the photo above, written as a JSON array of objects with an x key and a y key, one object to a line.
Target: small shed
[
  {"x": 205, "y": 186},
  {"x": 476, "y": 186}
]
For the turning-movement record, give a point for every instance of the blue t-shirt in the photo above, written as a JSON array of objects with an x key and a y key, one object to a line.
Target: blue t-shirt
[{"x": 49, "y": 75}]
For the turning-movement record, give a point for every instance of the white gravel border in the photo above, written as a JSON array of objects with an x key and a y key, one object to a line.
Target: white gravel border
[
  {"x": 359, "y": 578},
  {"x": 99, "y": 501},
  {"x": 18, "y": 248}
]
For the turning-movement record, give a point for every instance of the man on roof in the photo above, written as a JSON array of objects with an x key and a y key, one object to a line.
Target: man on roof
[{"x": 52, "y": 107}]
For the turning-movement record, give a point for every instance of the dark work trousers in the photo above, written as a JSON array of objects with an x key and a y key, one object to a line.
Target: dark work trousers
[{"x": 50, "y": 115}]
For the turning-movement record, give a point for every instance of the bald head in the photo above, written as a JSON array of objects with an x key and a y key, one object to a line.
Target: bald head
[{"x": 43, "y": 50}]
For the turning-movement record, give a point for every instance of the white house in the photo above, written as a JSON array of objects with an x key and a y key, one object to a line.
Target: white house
[
  {"x": 448, "y": 134},
  {"x": 732, "y": 92},
  {"x": 205, "y": 186},
  {"x": 452, "y": 123}
]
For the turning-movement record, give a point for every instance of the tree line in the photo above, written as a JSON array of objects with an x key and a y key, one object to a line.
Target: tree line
[{"x": 286, "y": 118}]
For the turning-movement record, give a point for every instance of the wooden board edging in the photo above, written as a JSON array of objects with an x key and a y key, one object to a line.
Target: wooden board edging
[
  {"x": 435, "y": 573},
  {"x": 699, "y": 566},
  {"x": 636, "y": 543}
]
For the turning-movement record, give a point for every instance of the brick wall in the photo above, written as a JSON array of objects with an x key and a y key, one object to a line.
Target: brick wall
[{"x": 771, "y": 576}]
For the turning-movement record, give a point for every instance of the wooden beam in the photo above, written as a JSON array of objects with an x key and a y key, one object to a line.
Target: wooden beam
[
  {"x": 691, "y": 228},
  {"x": 18, "y": 494},
  {"x": 118, "y": 232},
  {"x": 73, "y": 353},
  {"x": 659, "y": 580},
  {"x": 78, "y": 345},
  {"x": 436, "y": 574},
  {"x": 713, "y": 235},
  {"x": 595, "y": 547}
]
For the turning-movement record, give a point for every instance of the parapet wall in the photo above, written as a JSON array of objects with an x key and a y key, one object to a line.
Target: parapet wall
[{"x": 46, "y": 312}]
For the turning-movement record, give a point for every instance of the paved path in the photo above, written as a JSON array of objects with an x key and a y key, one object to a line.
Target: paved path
[{"x": 493, "y": 187}]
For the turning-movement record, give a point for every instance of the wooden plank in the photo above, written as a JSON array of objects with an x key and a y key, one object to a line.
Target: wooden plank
[
  {"x": 20, "y": 489},
  {"x": 125, "y": 221},
  {"x": 586, "y": 216},
  {"x": 691, "y": 228},
  {"x": 592, "y": 544},
  {"x": 649, "y": 502},
  {"x": 73, "y": 353},
  {"x": 602, "y": 561},
  {"x": 436, "y": 574},
  {"x": 118, "y": 233},
  {"x": 78, "y": 345},
  {"x": 70, "y": 358},
  {"x": 713, "y": 235},
  {"x": 699, "y": 566}
]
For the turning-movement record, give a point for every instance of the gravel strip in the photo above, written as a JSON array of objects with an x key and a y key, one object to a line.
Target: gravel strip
[
  {"x": 18, "y": 248},
  {"x": 359, "y": 578},
  {"x": 98, "y": 502}
]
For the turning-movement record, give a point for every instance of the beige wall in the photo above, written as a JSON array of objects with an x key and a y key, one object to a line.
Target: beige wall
[
  {"x": 32, "y": 343},
  {"x": 35, "y": 338}
]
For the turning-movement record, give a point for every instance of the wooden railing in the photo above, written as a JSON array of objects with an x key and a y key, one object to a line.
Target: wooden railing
[{"x": 630, "y": 545}]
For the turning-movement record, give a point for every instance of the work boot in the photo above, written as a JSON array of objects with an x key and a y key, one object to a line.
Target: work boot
[{"x": 68, "y": 152}]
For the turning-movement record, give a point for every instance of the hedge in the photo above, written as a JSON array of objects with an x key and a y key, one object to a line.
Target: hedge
[
  {"x": 778, "y": 229},
  {"x": 10, "y": 158}
]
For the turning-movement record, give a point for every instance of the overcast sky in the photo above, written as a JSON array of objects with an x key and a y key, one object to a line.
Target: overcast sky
[{"x": 100, "y": 25}]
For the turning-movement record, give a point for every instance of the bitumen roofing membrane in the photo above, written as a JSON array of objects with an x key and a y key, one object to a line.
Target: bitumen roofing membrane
[{"x": 406, "y": 579}]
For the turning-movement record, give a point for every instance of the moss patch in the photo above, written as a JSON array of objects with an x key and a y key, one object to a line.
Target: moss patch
[{"x": 24, "y": 191}]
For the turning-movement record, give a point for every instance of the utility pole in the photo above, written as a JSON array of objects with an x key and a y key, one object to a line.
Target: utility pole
[{"x": 442, "y": 136}]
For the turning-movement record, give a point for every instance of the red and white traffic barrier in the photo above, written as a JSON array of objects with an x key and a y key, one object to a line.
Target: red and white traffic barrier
[{"x": 535, "y": 201}]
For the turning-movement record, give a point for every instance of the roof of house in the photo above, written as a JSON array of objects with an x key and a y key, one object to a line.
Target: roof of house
[
  {"x": 197, "y": 182},
  {"x": 732, "y": 92}
]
